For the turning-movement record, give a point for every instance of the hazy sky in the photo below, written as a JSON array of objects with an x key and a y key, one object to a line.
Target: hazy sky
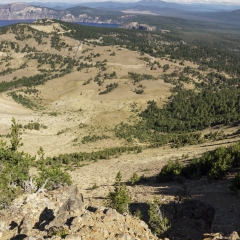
[{"x": 230, "y": 2}]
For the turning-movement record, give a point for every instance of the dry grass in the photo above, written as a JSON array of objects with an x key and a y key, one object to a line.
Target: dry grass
[{"x": 75, "y": 103}]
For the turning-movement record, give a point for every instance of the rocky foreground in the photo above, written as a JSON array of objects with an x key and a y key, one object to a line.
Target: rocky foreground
[{"x": 63, "y": 213}]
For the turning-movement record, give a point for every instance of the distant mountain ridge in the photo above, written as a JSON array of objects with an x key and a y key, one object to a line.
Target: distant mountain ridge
[
  {"x": 22, "y": 11},
  {"x": 163, "y": 4},
  {"x": 116, "y": 13}
]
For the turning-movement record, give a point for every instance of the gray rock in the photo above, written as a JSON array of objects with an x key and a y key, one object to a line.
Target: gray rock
[
  {"x": 3, "y": 226},
  {"x": 72, "y": 206},
  {"x": 111, "y": 213},
  {"x": 73, "y": 237},
  {"x": 73, "y": 192},
  {"x": 26, "y": 225}
]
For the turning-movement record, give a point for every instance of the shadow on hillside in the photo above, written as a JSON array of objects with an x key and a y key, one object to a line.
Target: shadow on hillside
[
  {"x": 143, "y": 208},
  {"x": 185, "y": 220},
  {"x": 19, "y": 237}
]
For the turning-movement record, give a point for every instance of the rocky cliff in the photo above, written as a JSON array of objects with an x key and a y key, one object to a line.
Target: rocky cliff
[
  {"x": 21, "y": 11},
  {"x": 137, "y": 26},
  {"x": 17, "y": 11}
]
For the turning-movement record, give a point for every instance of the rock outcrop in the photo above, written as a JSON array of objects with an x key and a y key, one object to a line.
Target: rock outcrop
[
  {"x": 137, "y": 26},
  {"x": 217, "y": 236},
  {"x": 63, "y": 213}
]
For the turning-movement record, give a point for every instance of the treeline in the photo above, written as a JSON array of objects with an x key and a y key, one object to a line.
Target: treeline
[
  {"x": 144, "y": 134},
  {"x": 75, "y": 159},
  {"x": 37, "y": 79},
  {"x": 53, "y": 59},
  {"x": 93, "y": 138}
]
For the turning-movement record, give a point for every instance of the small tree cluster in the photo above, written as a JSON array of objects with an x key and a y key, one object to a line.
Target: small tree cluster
[{"x": 14, "y": 170}]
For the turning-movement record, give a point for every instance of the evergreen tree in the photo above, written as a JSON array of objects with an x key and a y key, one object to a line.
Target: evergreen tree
[
  {"x": 119, "y": 199},
  {"x": 15, "y": 136}
]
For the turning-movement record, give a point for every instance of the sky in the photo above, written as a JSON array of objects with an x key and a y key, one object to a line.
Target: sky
[{"x": 228, "y": 2}]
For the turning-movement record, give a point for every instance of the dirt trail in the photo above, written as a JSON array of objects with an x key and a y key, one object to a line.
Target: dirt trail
[{"x": 79, "y": 48}]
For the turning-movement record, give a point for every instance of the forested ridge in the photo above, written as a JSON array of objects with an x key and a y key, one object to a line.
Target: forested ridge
[{"x": 214, "y": 100}]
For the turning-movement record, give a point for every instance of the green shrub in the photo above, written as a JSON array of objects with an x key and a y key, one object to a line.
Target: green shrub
[
  {"x": 19, "y": 98},
  {"x": 213, "y": 164},
  {"x": 109, "y": 88},
  {"x": 135, "y": 179},
  {"x": 169, "y": 171},
  {"x": 157, "y": 221},
  {"x": 58, "y": 231},
  {"x": 55, "y": 176},
  {"x": 138, "y": 214},
  {"x": 118, "y": 199},
  {"x": 193, "y": 169}
]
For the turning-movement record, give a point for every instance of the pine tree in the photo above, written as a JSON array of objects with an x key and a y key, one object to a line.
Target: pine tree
[
  {"x": 15, "y": 136},
  {"x": 119, "y": 199}
]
